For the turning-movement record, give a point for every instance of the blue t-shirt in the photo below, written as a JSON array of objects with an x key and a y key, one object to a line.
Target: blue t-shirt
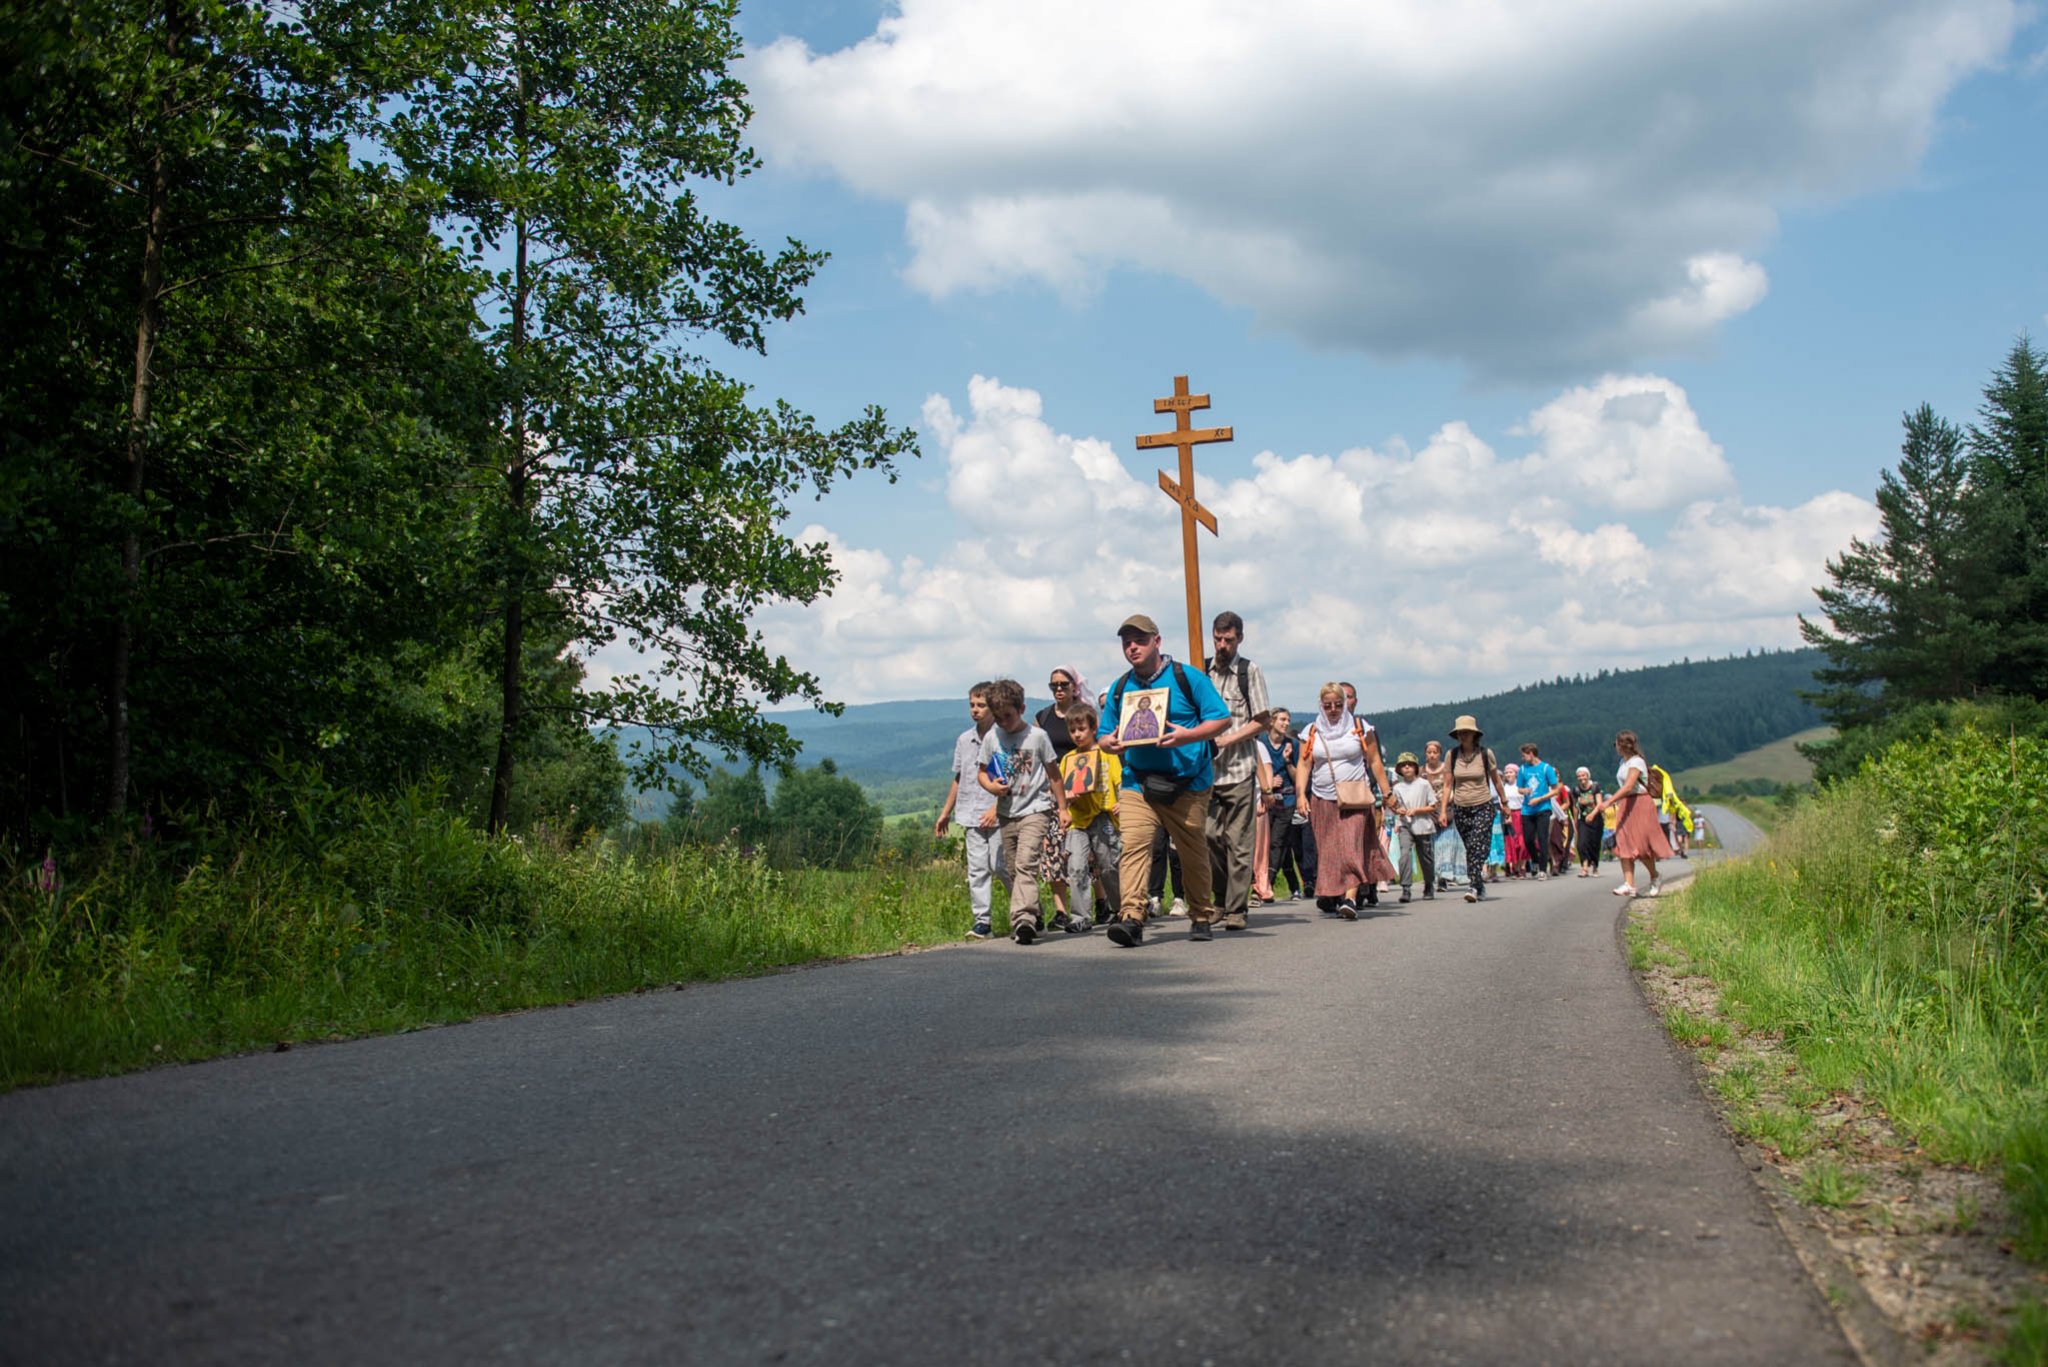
[
  {"x": 1190, "y": 706},
  {"x": 1537, "y": 782}
]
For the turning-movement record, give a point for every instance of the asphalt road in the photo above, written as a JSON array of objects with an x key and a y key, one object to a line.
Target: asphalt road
[
  {"x": 1446, "y": 1134},
  {"x": 1739, "y": 835}
]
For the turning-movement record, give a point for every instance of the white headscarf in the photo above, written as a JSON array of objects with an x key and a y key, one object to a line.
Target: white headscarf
[
  {"x": 1079, "y": 692},
  {"x": 1326, "y": 731}
]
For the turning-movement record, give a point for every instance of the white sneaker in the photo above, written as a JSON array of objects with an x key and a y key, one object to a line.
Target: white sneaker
[
  {"x": 1542, "y": 875},
  {"x": 1656, "y": 887},
  {"x": 1151, "y": 907},
  {"x": 1625, "y": 890},
  {"x": 1180, "y": 908}
]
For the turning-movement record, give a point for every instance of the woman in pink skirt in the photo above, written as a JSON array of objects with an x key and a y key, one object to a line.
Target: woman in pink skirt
[
  {"x": 1336, "y": 748},
  {"x": 1636, "y": 832}
]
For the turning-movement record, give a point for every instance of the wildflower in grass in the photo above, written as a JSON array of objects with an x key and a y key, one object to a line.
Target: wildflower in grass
[{"x": 46, "y": 877}]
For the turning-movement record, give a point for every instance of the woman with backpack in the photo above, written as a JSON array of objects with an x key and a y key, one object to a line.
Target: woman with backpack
[
  {"x": 1637, "y": 791},
  {"x": 1336, "y": 749},
  {"x": 1475, "y": 798}
]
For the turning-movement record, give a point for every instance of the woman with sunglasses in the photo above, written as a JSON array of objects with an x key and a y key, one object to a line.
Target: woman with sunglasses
[{"x": 1068, "y": 690}]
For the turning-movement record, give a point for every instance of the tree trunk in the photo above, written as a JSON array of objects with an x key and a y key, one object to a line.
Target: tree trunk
[
  {"x": 147, "y": 321},
  {"x": 512, "y": 668}
]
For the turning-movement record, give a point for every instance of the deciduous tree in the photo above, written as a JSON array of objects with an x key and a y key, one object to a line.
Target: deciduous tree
[{"x": 641, "y": 492}]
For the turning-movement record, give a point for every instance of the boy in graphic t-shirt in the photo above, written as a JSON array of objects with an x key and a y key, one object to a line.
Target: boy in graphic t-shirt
[
  {"x": 1089, "y": 777},
  {"x": 1017, "y": 766}
]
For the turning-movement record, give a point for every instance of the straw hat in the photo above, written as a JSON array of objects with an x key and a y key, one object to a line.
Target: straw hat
[{"x": 1467, "y": 722}]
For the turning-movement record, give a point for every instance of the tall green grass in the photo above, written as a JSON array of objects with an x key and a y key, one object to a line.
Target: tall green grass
[
  {"x": 334, "y": 915},
  {"x": 1895, "y": 932}
]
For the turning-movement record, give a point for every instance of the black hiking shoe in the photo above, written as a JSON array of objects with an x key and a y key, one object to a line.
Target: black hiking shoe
[
  {"x": 1024, "y": 932},
  {"x": 1126, "y": 932},
  {"x": 1199, "y": 930}
]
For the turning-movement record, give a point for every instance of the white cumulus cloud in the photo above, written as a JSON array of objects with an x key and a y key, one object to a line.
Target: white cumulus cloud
[
  {"x": 1618, "y": 539},
  {"x": 1534, "y": 189}
]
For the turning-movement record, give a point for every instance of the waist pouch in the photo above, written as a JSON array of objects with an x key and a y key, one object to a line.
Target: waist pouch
[{"x": 1158, "y": 787}]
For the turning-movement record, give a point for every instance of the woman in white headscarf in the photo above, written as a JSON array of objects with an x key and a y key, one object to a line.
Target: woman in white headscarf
[
  {"x": 1068, "y": 689},
  {"x": 1336, "y": 750}
]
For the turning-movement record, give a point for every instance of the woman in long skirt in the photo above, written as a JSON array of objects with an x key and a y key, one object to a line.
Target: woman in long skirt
[
  {"x": 1335, "y": 748},
  {"x": 1636, "y": 832}
]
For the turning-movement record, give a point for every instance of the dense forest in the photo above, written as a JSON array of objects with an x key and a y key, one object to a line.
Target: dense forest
[
  {"x": 359, "y": 365},
  {"x": 1693, "y": 712}
]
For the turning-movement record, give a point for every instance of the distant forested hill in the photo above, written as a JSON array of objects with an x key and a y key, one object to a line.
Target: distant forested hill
[
  {"x": 1687, "y": 714},
  {"x": 1697, "y": 712}
]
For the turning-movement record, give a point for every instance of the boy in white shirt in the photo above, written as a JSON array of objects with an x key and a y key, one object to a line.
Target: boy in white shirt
[
  {"x": 1019, "y": 767},
  {"x": 1417, "y": 812}
]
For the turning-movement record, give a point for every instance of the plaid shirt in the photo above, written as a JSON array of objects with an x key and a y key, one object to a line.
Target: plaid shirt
[{"x": 1240, "y": 762}]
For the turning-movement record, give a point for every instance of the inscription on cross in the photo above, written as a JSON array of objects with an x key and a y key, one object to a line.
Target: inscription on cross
[{"x": 1182, "y": 491}]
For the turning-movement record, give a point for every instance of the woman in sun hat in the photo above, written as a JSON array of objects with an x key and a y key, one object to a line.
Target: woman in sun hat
[
  {"x": 1636, "y": 834},
  {"x": 1475, "y": 797}
]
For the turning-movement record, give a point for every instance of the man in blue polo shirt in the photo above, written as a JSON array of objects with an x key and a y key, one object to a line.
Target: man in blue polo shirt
[{"x": 1166, "y": 783}]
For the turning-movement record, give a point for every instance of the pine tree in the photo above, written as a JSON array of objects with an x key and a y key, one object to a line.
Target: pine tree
[
  {"x": 1905, "y": 609},
  {"x": 2008, "y": 457}
]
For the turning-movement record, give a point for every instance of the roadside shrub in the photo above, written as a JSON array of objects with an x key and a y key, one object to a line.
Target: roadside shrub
[{"x": 1892, "y": 930}]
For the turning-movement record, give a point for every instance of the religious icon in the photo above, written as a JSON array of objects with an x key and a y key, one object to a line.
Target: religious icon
[
  {"x": 1084, "y": 777},
  {"x": 1143, "y": 717}
]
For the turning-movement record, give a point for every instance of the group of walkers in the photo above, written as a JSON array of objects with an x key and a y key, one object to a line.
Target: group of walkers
[{"x": 1081, "y": 814}]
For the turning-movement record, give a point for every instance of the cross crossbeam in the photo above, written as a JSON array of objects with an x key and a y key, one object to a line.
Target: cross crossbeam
[{"x": 1182, "y": 491}]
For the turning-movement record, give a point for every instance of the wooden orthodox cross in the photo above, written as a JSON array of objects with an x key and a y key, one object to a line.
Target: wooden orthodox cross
[{"x": 1187, "y": 439}]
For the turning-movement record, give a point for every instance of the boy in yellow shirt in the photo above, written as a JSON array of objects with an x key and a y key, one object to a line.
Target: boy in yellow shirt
[{"x": 1090, "y": 778}]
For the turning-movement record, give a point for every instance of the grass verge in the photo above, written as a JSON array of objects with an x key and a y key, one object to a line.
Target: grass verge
[
  {"x": 1889, "y": 950},
  {"x": 338, "y": 916}
]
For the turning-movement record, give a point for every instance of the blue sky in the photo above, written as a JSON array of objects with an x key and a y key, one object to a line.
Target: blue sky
[{"x": 1554, "y": 336}]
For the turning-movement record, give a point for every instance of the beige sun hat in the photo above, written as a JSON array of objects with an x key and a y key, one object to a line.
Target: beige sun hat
[{"x": 1468, "y": 722}]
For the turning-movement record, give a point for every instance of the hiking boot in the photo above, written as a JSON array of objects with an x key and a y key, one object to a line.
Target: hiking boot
[
  {"x": 1406, "y": 897},
  {"x": 1025, "y": 929},
  {"x": 1199, "y": 930},
  {"x": 1126, "y": 932},
  {"x": 1103, "y": 917},
  {"x": 1237, "y": 920}
]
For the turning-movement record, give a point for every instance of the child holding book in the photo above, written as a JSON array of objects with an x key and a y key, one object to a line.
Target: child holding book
[
  {"x": 1017, "y": 767},
  {"x": 975, "y": 810}
]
